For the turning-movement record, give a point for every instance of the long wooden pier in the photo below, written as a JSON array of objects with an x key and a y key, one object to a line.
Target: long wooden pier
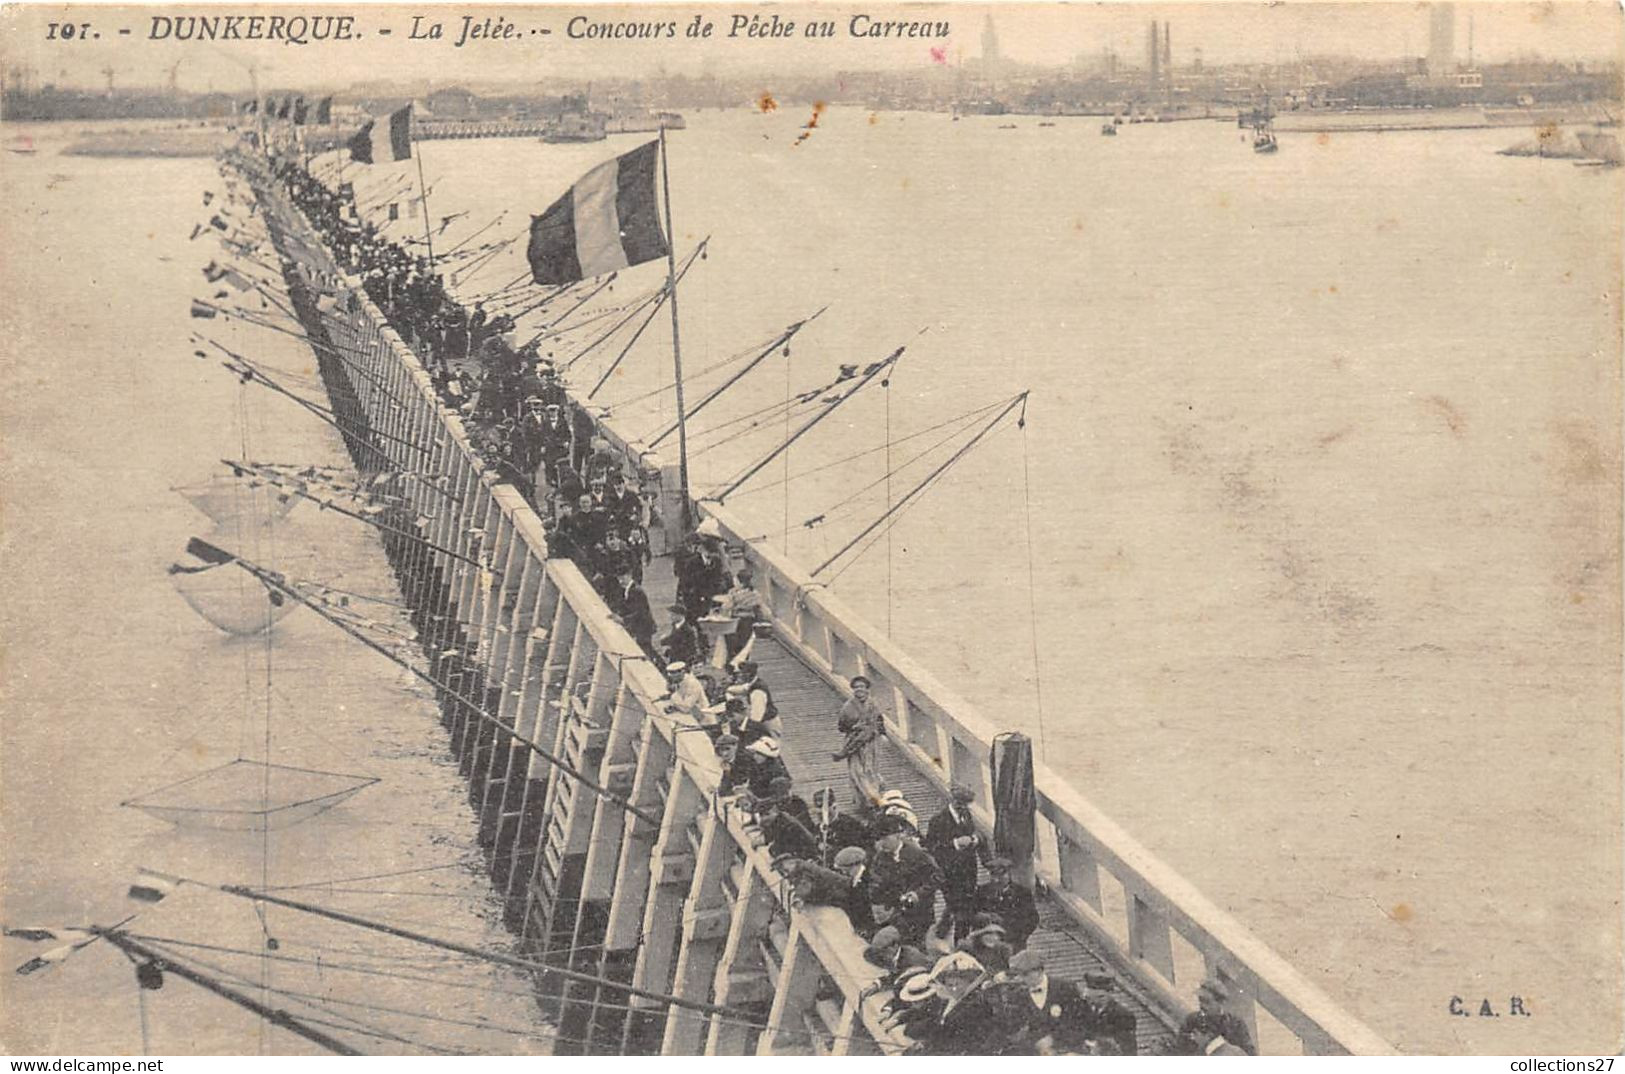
[{"x": 655, "y": 885}]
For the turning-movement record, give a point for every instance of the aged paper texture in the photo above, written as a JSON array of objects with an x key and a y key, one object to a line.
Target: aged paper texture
[{"x": 1224, "y": 397}]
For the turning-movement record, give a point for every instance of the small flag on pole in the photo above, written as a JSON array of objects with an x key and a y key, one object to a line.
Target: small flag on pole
[
  {"x": 384, "y": 140},
  {"x": 57, "y": 954},
  {"x": 606, "y": 221},
  {"x": 51, "y": 932},
  {"x": 150, "y": 886}
]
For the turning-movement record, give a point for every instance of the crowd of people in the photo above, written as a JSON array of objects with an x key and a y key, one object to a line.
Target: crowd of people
[
  {"x": 513, "y": 403},
  {"x": 952, "y": 950}
]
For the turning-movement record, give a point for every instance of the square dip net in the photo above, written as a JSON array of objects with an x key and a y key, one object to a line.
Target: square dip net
[{"x": 248, "y": 795}]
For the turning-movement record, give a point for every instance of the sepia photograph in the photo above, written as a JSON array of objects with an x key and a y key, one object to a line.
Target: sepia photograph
[{"x": 801, "y": 529}]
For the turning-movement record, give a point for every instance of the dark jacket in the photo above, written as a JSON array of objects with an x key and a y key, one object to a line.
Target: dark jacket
[
  {"x": 1015, "y": 908},
  {"x": 819, "y": 886},
  {"x": 789, "y": 829},
  {"x": 1083, "y": 1026},
  {"x": 683, "y": 642},
  {"x": 958, "y": 866},
  {"x": 1196, "y": 1031},
  {"x": 632, "y": 605},
  {"x": 913, "y": 870}
]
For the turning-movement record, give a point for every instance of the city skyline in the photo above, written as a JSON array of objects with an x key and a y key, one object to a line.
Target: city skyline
[{"x": 1218, "y": 34}]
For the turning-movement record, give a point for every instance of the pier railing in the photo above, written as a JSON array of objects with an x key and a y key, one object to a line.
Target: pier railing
[
  {"x": 1148, "y": 919},
  {"x": 673, "y": 893},
  {"x": 655, "y": 885}
]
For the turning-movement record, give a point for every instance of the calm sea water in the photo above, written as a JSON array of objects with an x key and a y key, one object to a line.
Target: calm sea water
[
  {"x": 113, "y": 687},
  {"x": 1320, "y": 470}
]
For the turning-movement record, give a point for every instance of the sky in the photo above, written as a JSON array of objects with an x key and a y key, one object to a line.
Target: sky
[{"x": 1226, "y": 31}]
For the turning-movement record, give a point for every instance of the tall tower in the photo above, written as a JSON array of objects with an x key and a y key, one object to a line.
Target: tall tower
[
  {"x": 991, "y": 61},
  {"x": 1168, "y": 49},
  {"x": 1441, "y": 40},
  {"x": 1153, "y": 53}
]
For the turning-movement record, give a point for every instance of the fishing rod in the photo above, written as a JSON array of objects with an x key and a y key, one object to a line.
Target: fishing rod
[
  {"x": 251, "y": 374},
  {"x": 795, "y": 405},
  {"x": 276, "y": 481},
  {"x": 721, "y": 363},
  {"x": 483, "y": 261},
  {"x": 868, "y": 375},
  {"x": 314, "y": 344},
  {"x": 964, "y": 420},
  {"x": 782, "y": 339},
  {"x": 592, "y": 318},
  {"x": 167, "y": 964},
  {"x": 494, "y": 222},
  {"x": 659, "y": 298},
  {"x": 588, "y": 297},
  {"x": 244, "y": 892},
  {"x": 522, "y": 280},
  {"x": 248, "y": 317},
  {"x": 217, "y": 556},
  {"x": 1019, "y": 400},
  {"x": 279, "y": 469}
]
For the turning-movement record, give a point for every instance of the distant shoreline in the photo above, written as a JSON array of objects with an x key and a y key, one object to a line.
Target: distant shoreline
[{"x": 159, "y": 143}]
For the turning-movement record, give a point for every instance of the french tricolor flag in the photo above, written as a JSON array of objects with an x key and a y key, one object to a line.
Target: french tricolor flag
[
  {"x": 386, "y": 139},
  {"x": 607, "y": 221}
]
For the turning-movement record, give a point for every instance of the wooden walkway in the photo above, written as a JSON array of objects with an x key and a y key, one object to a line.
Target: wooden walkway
[{"x": 808, "y": 707}]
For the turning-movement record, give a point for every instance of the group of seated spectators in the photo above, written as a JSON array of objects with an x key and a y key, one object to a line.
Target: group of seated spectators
[{"x": 951, "y": 949}]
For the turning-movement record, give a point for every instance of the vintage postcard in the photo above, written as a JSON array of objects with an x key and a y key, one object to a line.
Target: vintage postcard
[{"x": 811, "y": 529}]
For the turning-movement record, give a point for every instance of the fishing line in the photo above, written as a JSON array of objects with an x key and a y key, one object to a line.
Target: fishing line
[
  {"x": 1032, "y": 585},
  {"x": 835, "y": 510}
]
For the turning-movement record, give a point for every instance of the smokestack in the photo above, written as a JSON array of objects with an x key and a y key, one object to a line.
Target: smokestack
[{"x": 1167, "y": 48}]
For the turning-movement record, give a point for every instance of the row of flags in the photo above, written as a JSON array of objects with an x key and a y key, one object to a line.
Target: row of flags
[{"x": 295, "y": 108}]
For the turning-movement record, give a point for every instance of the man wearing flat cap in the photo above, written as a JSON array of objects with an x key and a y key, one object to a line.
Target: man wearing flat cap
[{"x": 952, "y": 839}]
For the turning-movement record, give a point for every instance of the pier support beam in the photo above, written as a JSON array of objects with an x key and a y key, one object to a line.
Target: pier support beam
[{"x": 705, "y": 931}]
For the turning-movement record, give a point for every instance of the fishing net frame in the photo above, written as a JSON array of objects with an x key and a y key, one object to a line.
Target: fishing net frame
[{"x": 270, "y": 815}]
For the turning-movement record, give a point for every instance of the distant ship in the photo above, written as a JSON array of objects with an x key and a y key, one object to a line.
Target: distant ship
[
  {"x": 21, "y": 144},
  {"x": 1109, "y": 129}
]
